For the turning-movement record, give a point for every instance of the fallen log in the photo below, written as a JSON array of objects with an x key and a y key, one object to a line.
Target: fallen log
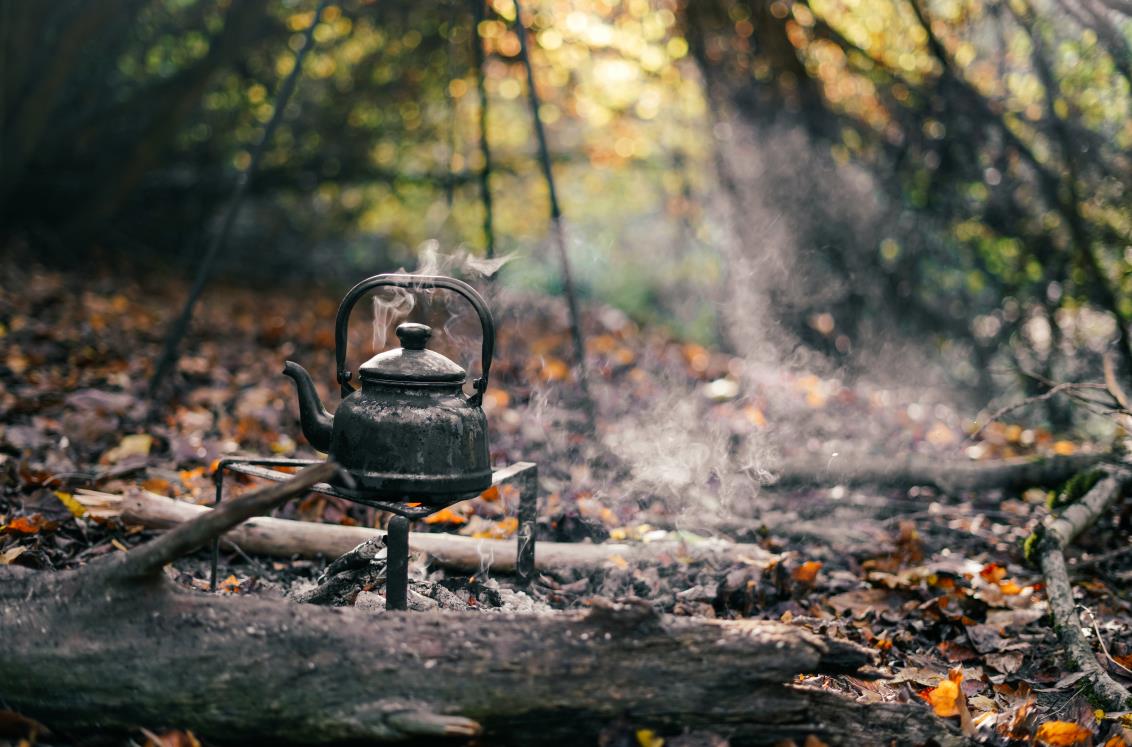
[
  {"x": 116, "y": 645},
  {"x": 1046, "y": 549},
  {"x": 287, "y": 538},
  {"x": 949, "y": 475}
]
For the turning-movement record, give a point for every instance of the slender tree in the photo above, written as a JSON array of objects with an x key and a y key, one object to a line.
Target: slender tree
[
  {"x": 556, "y": 227},
  {"x": 485, "y": 145},
  {"x": 180, "y": 326}
]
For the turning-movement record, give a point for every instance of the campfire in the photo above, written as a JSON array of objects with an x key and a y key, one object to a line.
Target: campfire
[{"x": 409, "y": 441}]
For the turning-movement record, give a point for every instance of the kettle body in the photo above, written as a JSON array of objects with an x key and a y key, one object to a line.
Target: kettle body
[{"x": 409, "y": 433}]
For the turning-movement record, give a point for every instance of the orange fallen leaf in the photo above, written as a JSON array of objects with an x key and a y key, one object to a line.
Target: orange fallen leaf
[
  {"x": 945, "y": 698},
  {"x": 554, "y": 369},
  {"x": 29, "y": 524},
  {"x": 157, "y": 485},
  {"x": 170, "y": 739},
  {"x": 807, "y": 572},
  {"x": 1010, "y": 588},
  {"x": 502, "y": 530},
  {"x": 755, "y": 415},
  {"x": 188, "y": 475},
  {"x": 1062, "y": 733},
  {"x": 1116, "y": 741},
  {"x": 230, "y": 585},
  {"x": 491, "y": 495},
  {"x": 496, "y": 398},
  {"x": 1064, "y": 448},
  {"x": 993, "y": 572},
  {"x": 446, "y": 516}
]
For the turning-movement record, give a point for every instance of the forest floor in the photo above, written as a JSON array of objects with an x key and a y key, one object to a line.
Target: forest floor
[{"x": 686, "y": 447}]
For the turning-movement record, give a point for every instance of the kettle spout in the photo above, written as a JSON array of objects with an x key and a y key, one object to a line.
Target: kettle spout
[{"x": 316, "y": 421}]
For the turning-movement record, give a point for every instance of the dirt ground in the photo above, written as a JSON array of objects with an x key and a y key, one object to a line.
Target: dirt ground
[{"x": 686, "y": 448}]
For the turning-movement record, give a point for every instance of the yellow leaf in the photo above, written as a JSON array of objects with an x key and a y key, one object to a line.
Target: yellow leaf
[
  {"x": 1062, "y": 733},
  {"x": 69, "y": 501},
  {"x": 136, "y": 445},
  {"x": 649, "y": 738},
  {"x": 619, "y": 561}
]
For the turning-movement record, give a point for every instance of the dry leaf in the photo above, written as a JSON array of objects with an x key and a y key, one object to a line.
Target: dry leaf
[
  {"x": 11, "y": 554},
  {"x": 68, "y": 500},
  {"x": 807, "y": 572},
  {"x": 446, "y": 516},
  {"x": 157, "y": 485},
  {"x": 649, "y": 738},
  {"x": 1062, "y": 734},
  {"x": 29, "y": 524},
  {"x": 504, "y": 529},
  {"x": 944, "y": 698},
  {"x": 138, "y": 444}
]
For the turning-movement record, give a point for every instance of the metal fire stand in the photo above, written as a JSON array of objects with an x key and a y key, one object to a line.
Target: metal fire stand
[{"x": 523, "y": 474}]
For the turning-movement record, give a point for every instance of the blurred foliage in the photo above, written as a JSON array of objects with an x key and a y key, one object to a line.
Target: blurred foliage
[{"x": 958, "y": 169}]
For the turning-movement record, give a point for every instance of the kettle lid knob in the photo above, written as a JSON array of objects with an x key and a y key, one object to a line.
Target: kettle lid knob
[{"x": 413, "y": 336}]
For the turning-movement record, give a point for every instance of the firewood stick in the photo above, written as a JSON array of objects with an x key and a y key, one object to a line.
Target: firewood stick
[
  {"x": 187, "y": 536},
  {"x": 287, "y": 538}
]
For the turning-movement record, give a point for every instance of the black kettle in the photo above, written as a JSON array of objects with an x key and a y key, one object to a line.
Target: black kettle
[{"x": 409, "y": 433}]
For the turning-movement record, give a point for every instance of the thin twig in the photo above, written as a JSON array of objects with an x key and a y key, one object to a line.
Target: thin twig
[
  {"x": 180, "y": 326},
  {"x": 152, "y": 556},
  {"x": 1053, "y": 391},
  {"x": 1100, "y": 640}
]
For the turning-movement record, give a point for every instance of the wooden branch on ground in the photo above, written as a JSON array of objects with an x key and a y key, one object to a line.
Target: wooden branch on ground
[
  {"x": 98, "y": 649},
  {"x": 1047, "y": 549},
  {"x": 286, "y": 538},
  {"x": 947, "y": 475}
]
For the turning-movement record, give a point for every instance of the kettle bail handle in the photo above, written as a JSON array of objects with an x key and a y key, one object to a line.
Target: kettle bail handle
[{"x": 414, "y": 282}]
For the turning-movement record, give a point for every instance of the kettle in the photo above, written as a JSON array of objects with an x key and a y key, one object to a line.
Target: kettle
[{"x": 409, "y": 433}]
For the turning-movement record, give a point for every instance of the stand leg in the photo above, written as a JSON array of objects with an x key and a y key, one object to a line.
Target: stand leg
[
  {"x": 397, "y": 564},
  {"x": 216, "y": 541},
  {"x": 528, "y": 515}
]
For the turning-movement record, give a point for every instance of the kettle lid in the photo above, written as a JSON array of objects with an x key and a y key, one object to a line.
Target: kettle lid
[{"x": 412, "y": 363}]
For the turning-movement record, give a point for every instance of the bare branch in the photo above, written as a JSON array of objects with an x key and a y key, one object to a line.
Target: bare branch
[{"x": 151, "y": 557}]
